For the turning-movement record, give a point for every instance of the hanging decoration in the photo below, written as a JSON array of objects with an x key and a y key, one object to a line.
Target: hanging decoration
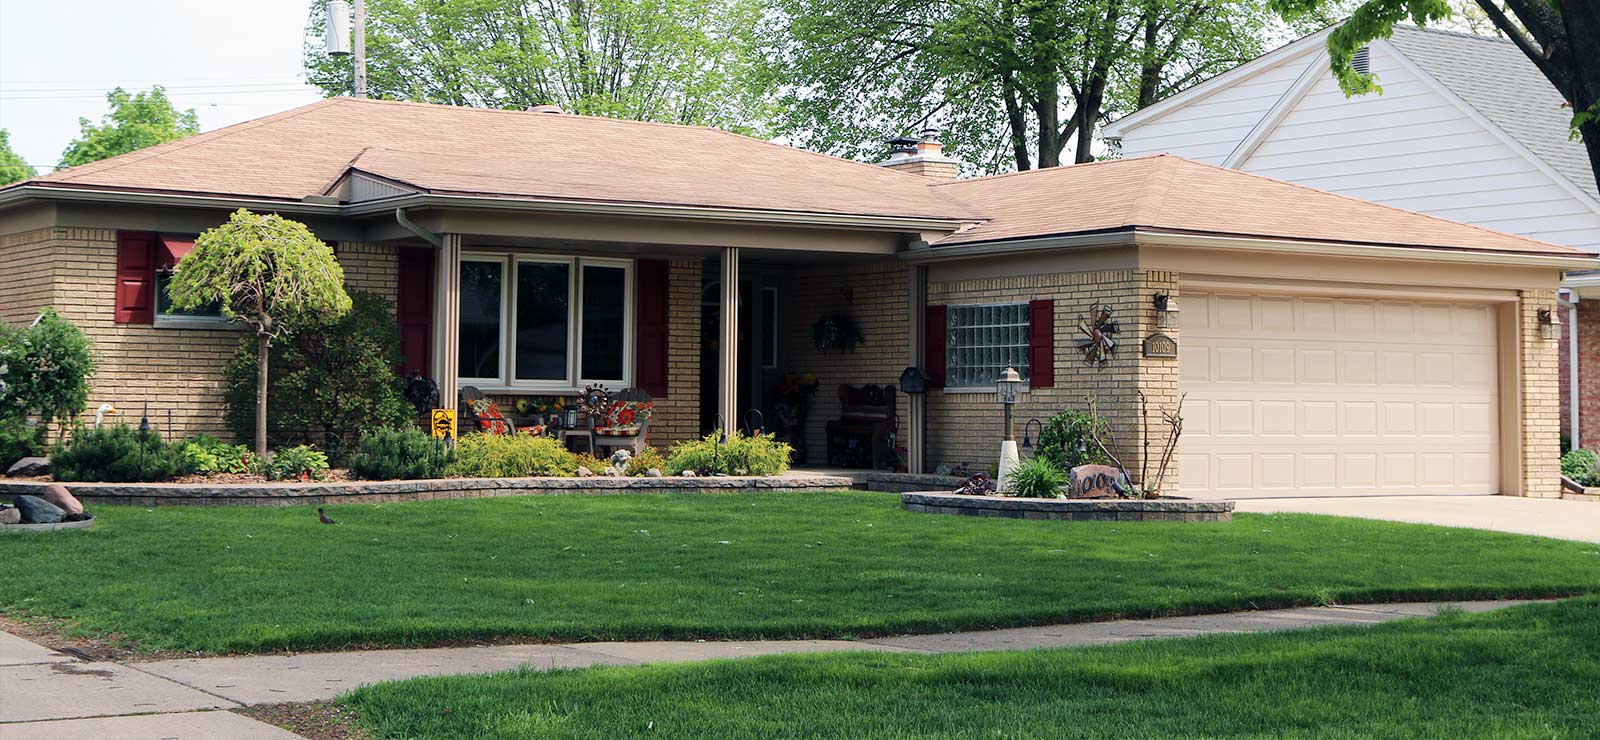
[{"x": 1097, "y": 328}]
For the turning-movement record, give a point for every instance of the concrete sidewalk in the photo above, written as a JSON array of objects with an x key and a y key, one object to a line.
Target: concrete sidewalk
[
  {"x": 48, "y": 695},
  {"x": 1545, "y": 517}
]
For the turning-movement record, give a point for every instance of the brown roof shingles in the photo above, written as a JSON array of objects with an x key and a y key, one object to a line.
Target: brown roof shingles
[{"x": 1164, "y": 192}]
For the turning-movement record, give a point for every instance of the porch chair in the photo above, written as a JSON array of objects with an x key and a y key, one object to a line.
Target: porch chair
[
  {"x": 625, "y": 421},
  {"x": 863, "y": 435},
  {"x": 483, "y": 415}
]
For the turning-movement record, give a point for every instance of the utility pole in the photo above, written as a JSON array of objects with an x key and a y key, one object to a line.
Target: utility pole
[{"x": 361, "y": 48}]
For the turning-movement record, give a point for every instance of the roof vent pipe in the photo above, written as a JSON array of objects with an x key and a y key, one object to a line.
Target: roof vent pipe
[
  {"x": 903, "y": 147},
  {"x": 546, "y": 109}
]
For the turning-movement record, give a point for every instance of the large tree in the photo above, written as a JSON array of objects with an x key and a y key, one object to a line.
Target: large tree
[
  {"x": 676, "y": 61},
  {"x": 1561, "y": 38},
  {"x": 1017, "y": 83},
  {"x": 268, "y": 272},
  {"x": 12, "y": 166},
  {"x": 135, "y": 121}
]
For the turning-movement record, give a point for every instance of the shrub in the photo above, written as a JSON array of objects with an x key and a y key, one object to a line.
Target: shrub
[
  {"x": 18, "y": 439},
  {"x": 45, "y": 370},
  {"x": 594, "y": 464},
  {"x": 1065, "y": 440},
  {"x": 643, "y": 462},
  {"x": 405, "y": 453},
  {"x": 737, "y": 455},
  {"x": 301, "y": 461},
  {"x": 1582, "y": 466},
  {"x": 328, "y": 380},
  {"x": 116, "y": 454},
  {"x": 481, "y": 455},
  {"x": 204, "y": 453},
  {"x": 1037, "y": 477}
]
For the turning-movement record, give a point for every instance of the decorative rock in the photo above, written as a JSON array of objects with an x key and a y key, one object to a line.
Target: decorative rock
[
  {"x": 653, "y": 473},
  {"x": 612, "y": 470},
  {"x": 10, "y": 515},
  {"x": 36, "y": 510},
  {"x": 584, "y": 472},
  {"x": 29, "y": 466},
  {"x": 687, "y": 474},
  {"x": 59, "y": 495}
]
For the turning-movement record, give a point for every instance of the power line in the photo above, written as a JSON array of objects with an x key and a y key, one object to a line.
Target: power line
[
  {"x": 201, "y": 93},
  {"x": 169, "y": 88}
]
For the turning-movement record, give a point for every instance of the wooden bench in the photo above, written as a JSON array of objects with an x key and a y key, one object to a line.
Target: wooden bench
[{"x": 863, "y": 435}]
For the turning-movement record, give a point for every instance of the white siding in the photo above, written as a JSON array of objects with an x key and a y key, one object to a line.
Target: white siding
[
  {"x": 1410, "y": 147},
  {"x": 1208, "y": 129}
]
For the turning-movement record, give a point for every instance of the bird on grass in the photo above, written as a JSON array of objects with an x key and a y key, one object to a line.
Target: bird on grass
[{"x": 324, "y": 517}]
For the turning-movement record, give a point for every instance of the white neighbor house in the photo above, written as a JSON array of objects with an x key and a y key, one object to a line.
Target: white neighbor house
[{"x": 1466, "y": 128}]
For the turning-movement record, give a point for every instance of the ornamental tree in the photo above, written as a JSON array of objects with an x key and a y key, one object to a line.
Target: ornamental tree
[{"x": 267, "y": 272}]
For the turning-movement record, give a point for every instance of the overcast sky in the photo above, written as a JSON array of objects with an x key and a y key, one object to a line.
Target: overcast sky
[{"x": 229, "y": 60}]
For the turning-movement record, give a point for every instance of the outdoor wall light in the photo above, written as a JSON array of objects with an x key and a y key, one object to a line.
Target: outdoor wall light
[
  {"x": 1166, "y": 307},
  {"x": 1549, "y": 324}
]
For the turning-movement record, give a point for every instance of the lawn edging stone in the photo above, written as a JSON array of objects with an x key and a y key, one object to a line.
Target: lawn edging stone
[
  {"x": 1066, "y": 509},
  {"x": 291, "y": 494}
]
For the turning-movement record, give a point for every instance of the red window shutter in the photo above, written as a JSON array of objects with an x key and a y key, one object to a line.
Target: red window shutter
[
  {"x": 650, "y": 330},
  {"x": 934, "y": 331},
  {"x": 1041, "y": 344},
  {"x": 414, "y": 309},
  {"x": 136, "y": 277}
]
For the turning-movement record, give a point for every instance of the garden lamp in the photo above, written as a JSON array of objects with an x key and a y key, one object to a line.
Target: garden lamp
[
  {"x": 1027, "y": 441},
  {"x": 1008, "y": 388}
]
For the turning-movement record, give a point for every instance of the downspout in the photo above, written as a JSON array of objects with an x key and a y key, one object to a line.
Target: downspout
[
  {"x": 1573, "y": 406},
  {"x": 411, "y": 226}
]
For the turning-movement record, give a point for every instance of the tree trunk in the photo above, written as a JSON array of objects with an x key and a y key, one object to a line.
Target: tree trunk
[
  {"x": 1582, "y": 20},
  {"x": 262, "y": 340}
]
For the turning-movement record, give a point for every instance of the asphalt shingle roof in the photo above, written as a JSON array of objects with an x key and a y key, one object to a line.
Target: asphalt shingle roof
[{"x": 1497, "y": 80}]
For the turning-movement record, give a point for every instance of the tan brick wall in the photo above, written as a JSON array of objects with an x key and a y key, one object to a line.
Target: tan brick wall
[
  {"x": 374, "y": 268},
  {"x": 878, "y": 295},
  {"x": 966, "y": 427},
  {"x": 1540, "y": 399},
  {"x": 29, "y": 274},
  {"x": 677, "y": 417}
]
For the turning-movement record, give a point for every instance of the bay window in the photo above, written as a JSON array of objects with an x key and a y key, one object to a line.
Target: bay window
[{"x": 545, "y": 323}]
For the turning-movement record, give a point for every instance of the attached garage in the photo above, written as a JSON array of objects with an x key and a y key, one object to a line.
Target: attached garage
[{"x": 1319, "y": 396}]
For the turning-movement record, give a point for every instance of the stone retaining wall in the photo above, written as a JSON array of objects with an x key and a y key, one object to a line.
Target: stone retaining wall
[
  {"x": 1105, "y": 510},
  {"x": 294, "y": 494}
]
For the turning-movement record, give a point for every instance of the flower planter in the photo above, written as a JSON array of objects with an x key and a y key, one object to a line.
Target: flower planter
[{"x": 1171, "y": 509}]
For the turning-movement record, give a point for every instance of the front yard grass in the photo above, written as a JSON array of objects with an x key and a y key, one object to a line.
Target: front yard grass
[
  {"x": 628, "y": 567},
  {"x": 1523, "y": 673}
]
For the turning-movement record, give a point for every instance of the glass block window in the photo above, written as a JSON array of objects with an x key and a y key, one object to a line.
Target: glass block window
[{"x": 983, "y": 341}]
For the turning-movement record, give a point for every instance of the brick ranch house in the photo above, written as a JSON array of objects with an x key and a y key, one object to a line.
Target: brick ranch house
[{"x": 1324, "y": 344}]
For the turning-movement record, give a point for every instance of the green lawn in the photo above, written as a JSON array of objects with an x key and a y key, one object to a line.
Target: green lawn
[
  {"x": 1524, "y": 673},
  {"x": 714, "y": 566}
]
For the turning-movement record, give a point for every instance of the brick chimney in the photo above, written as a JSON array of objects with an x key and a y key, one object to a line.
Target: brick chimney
[{"x": 922, "y": 154}]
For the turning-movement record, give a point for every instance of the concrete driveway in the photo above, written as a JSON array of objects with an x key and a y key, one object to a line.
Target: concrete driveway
[{"x": 1567, "y": 520}]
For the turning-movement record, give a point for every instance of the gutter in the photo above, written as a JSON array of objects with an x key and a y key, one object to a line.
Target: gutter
[
  {"x": 125, "y": 197},
  {"x": 925, "y": 253},
  {"x": 411, "y": 226}
]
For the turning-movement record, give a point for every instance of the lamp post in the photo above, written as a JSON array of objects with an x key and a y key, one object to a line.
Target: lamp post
[{"x": 1008, "y": 388}]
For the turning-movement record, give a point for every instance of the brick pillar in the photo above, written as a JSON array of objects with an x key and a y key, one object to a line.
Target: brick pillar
[
  {"x": 1540, "y": 398},
  {"x": 1157, "y": 377}
]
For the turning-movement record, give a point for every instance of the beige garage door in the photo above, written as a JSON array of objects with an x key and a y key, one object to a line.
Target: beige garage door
[{"x": 1291, "y": 396}]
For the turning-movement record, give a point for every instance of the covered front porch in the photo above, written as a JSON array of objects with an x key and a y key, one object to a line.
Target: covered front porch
[{"x": 713, "y": 322}]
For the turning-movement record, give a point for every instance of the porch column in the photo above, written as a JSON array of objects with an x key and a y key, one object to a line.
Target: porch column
[
  {"x": 447, "y": 320},
  {"x": 917, "y": 403},
  {"x": 728, "y": 347}
]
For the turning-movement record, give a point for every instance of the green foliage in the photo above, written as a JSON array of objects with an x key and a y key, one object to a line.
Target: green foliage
[
  {"x": 204, "y": 453},
  {"x": 45, "y": 370},
  {"x": 1065, "y": 440},
  {"x": 18, "y": 439},
  {"x": 481, "y": 455},
  {"x": 643, "y": 462},
  {"x": 1037, "y": 477},
  {"x": 12, "y": 166},
  {"x": 594, "y": 464},
  {"x": 135, "y": 121},
  {"x": 1014, "y": 84},
  {"x": 299, "y": 462},
  {"x": 1582, "y": 466},
  {"x": 837, "y": 332},
  {"x": 674, "y": 61},
  {"x": 266, "y": 271},
  {"x": 402, "y": 453},
  {"x": 116, "y": 454},
  {"x": 734, "y": 455},
  {"x": 328, "y": 380}
]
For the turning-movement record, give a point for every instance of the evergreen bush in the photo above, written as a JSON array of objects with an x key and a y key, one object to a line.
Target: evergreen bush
[
  {"x": 403, "y": 453},
  {"x": 116, "y": 454}
]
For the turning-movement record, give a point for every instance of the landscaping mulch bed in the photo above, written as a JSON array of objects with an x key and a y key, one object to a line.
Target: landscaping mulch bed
[{"x": 316, "y": 720}]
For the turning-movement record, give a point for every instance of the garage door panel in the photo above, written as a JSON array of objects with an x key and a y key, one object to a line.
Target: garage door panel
[{"x": 1323, "y": 396}]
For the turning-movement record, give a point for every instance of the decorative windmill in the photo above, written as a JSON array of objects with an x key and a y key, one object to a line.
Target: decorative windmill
[{"x": 1097, "y": 328}]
